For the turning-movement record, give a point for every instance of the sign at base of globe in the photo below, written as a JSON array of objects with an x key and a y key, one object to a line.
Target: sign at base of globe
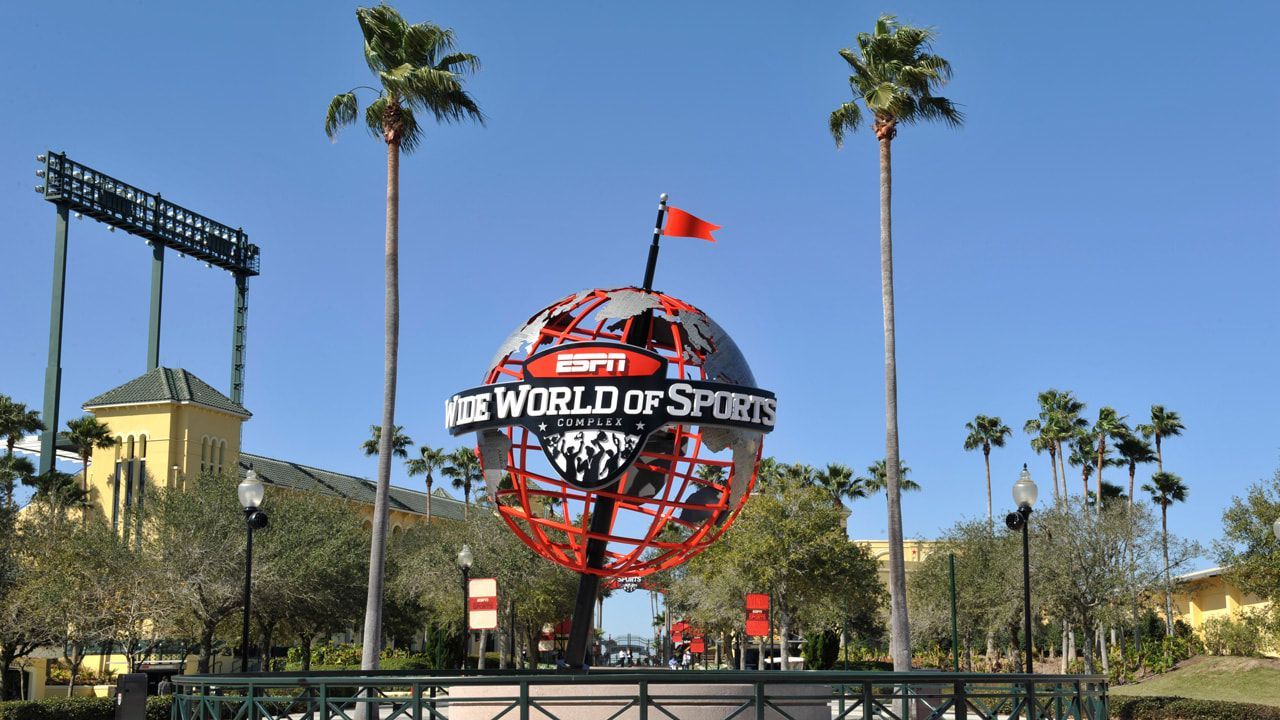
[{"x": 623, "y": 401}]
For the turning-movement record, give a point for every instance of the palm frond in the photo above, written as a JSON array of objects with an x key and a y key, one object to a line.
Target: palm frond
[
  {"x": 846, "y": 118},
  {"x": 383, "y": 31},
  {"x": 373, "y": 116},
  {"x": 342, "y": 111},
  {"x": 410, "y": 131},
  {"x": 459, "y": 63},
  {"x": 932, "y": 107},
  {"x": 440, "y": 93},
  {"x": 425, "y": 43}
]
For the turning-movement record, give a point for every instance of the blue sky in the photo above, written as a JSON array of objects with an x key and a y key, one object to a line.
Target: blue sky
[{"x": 1105, "y": 222}]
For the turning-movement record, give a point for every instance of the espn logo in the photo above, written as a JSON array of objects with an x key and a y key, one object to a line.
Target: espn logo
[{"x": 592, "y": 363}]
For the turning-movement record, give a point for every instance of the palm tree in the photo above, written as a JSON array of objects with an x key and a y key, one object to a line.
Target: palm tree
[
  {"x": 1082, "y": 456},
  {"x": 710, "y": 473},
  {"x": 463, "y": 468},
  {"x": 60, "y": 491},
  {"x": 1134, "y": 451},
  {"x": 432, "y": 460},
  {"x": 16, "y": 421},
  {"x": 1110, "y": 424},
  {"x": 86, "y": 434},
  {"x": 1108, "y": 492},
  {"x": 1164, "y": 423},
  {"x": 877, "y": 478},
  {"x": 1059, "y": 421},
  {"x": 986, "y": 431},
  {"x": 894, "y": 76},
  {"x": 418, "y": 71},
  {"x": 400, "y": 443},
  {"x": 1042, "y": 440},
  {"x": 1166, "y": 489},
  {"x": 14, "y": 470},
  {"x": 838, "y": 482}
]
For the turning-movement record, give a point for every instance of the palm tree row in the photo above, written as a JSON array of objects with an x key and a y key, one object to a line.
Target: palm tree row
[
  {"x": 1062, "y": 430},
  {"x": 461, "y": 467},
  {"x": 85, "y": 434},
  {"x": 837, "y": 480}
]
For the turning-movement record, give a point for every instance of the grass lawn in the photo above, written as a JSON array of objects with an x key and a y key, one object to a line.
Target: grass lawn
[{"x": 1247, "y": 680}]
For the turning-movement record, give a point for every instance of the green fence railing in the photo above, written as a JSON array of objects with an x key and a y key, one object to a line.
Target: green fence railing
[{"x": 627, "y": 695}]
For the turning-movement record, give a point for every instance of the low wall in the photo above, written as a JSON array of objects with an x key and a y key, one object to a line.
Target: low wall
[{"x": 52, "y": 691}]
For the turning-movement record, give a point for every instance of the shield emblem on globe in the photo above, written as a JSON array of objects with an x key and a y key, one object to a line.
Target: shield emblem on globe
[{"x": 625, "y": 401}]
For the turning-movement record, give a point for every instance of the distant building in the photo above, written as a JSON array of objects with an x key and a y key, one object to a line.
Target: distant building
[
  {"x": 170, "y": 425},
  {"x": 1207, "y": 594}
]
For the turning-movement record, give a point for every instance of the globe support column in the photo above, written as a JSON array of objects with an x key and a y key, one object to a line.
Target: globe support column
[{"x": 602, "y": 514}]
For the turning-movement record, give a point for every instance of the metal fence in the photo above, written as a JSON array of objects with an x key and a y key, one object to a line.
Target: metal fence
[{"x": 610, "y": 695}]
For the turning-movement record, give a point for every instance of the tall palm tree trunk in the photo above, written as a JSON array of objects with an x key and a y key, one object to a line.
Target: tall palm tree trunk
[
  {"x": 1053, "y": 465},
  {"x": 1062, "y": 469},
  {"x": 900, "y": 628},
  {"x": 1168, "y": 588},
  {"x": 377, "y": 549},
  {"x": 428, "y": 501},
  {"x": 1133, "y": 470},
  {"x": 1159, "y": 455},
  {"x": 986, "y": 456}
]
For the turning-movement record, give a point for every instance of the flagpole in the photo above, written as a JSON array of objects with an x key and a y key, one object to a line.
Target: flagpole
[
  {"x": 601, "y": 520},
  {"x": 653, "y": 248}
]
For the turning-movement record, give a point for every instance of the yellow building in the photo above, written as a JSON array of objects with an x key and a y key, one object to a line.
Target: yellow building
[
  {"x": 1201, "y": 596},
  {"x": 169, "y": 424},
  {"x": 914, "y": 553}
]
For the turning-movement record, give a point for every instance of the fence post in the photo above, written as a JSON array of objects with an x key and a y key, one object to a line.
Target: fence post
[
  {"x": 324, "y": 701},
  {"x": 417, "y": 701},
  {"x": 759, "y": 694},
  {"x": 524, "y": 700},
  {"x": 868, "y": 702},
  {"x": 961, "y": 701},
  {"x": 644, "y": 700},
  {"x": 250, "y": 712}
]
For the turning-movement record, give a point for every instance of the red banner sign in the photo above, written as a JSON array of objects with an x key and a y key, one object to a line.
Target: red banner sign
[
  {"x": 482, "y": 603},
  {"x": 698, "y": 645},
  {"x": 757, "y": 615}
]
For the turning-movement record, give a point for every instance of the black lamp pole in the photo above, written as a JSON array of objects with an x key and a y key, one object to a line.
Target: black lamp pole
[
  {"x": 465, "y": 558},
  {"x": 1024, "y": 494},
  {"x": 248, "y": 589},
  {"x": 1025, "y": 512},
  {"x": 250, "y": 492}
]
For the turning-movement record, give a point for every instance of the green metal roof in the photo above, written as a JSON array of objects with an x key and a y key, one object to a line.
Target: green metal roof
[
  {"x": 168, "y": 385},
  {"x": 326, "y": 482}
]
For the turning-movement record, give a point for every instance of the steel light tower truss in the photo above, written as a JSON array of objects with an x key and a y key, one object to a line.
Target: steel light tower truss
[{"x": 75, "y": 187}]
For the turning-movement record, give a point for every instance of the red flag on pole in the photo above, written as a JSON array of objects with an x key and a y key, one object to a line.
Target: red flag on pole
[{"x": 682, "y": 224}]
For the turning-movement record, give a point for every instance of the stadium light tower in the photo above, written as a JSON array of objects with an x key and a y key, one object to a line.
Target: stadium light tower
[{"x": 74, "y": 187}]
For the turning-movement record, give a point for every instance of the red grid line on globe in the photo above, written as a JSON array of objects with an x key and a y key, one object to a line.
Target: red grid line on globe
[{"x": 677, "y": 479}]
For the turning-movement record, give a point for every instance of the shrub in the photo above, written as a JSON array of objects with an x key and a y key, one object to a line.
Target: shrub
[
  {"x": 1243, "y": 635},
  {"x": 820, "y": 650},
  {"x": 1176, "y": 708},
  {"x": 77, "y": 708}
]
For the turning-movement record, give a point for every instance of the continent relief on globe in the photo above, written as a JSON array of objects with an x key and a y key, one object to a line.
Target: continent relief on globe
[{"x": 593, "y": 404}]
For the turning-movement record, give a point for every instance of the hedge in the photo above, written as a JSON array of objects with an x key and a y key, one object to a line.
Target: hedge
[
  {"x": 1176, "y": 708},
  {"x": 78, "y": 708}
]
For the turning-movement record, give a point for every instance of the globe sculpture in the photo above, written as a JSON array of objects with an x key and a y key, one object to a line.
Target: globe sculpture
[{"x": 687, "y": 483}]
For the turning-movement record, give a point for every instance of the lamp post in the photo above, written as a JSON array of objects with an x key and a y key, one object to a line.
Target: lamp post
[
  {"x": 250, "y": 492},
  {"x": 465, "y": 558},
  {"x": 1024, "y": 495}
]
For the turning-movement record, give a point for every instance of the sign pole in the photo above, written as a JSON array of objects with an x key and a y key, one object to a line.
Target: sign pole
[{"x": 602, "y": 514}]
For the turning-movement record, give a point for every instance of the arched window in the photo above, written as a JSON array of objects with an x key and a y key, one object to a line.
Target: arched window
[
  {"x": 142, "y": 446},
  {"x": 129, "y": 454},
  {"x": 222, "y": 455},
  {"x": 204, "y": 453}
]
